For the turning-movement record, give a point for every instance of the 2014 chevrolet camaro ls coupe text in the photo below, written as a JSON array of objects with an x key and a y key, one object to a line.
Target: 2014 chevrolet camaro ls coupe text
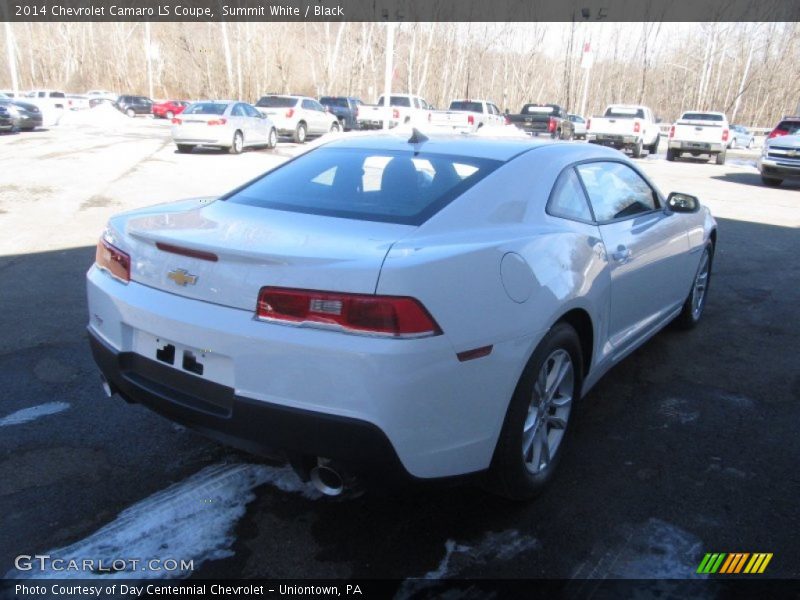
[{"x": 415, "y": 307}]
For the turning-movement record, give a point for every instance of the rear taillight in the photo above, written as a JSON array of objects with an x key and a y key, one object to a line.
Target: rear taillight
[
  {"x": 471, "y": 119},
  {"x": 637, "y": 127},
  {"x": 725, "y": 134},
  {"x": 355, "y": 111},
  {"x": 395, "y": 114},
  {"x": 588, "y": 124},
  {"x": 389, "y": 316},
  {"x": 113, "y": 260},
  {"x": 506, "y": 120},
  {"x": 672, "y": 131},
  {"x": 777, "y": 133},
  {"x": 176, "y": 121},
  {"x": 551, "y": 125},
  {"x": 218, "y": 121},
  {"x": 290, "y": 113}
]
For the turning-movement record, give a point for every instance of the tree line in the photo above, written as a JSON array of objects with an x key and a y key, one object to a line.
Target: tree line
[{"x": 748, "y": 70}]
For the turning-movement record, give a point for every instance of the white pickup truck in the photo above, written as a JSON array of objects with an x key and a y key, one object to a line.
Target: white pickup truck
[
  {"x": 403, "y": 109},
  {"x": 468, "y": 115},
  {"x": 625, "y": 127},
  {"x": 699, "y": 132}
]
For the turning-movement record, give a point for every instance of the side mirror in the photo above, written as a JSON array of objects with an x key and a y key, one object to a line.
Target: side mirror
[{"x": 682, "y": 203}]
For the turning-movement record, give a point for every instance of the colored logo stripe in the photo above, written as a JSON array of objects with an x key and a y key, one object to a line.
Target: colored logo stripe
[{"x": 728, "y": 564}]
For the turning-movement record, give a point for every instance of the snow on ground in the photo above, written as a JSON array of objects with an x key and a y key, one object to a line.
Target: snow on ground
[
  {"x": 34, "y": 412},
  {"x": 190, "y": 520}
]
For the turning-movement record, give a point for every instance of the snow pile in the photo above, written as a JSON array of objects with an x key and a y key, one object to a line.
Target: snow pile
[
  {"x": 103, "y": 116},
  {"x": 29, "y": 414}
]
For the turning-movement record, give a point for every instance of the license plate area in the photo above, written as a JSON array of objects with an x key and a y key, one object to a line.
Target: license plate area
[{"x": 200, "y": 362}]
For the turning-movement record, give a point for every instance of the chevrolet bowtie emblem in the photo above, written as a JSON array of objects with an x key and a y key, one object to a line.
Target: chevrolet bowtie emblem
[{"x": 182, "y": 277}]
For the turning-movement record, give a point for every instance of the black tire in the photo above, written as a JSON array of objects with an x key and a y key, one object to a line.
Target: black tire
[
  {"x": 733, "y": 143},
  {"x": 771, "y": 181},
  {"x": 720, "y": 157},
  {"x": 272, "y": 138},
  {"x": 689, "y": 316},
  {"x": 509, "y": 474},
  {"x": 636, "y": 151},
  {"x": 130, "y": 112},
  {"x": 335, "y": 127},
  {"x": 300, "y": 133},
  {"x": 237, "y": 144},
  {"x": 671, "y": 155},
  {"x": 653, "y": 148},
  {"x": 185, "y": 148}
]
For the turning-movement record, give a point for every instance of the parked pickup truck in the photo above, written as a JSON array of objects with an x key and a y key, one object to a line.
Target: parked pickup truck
[
  {"x": 345, "y": 108},
  {"x": 699, "y": 132},
  {"x": 468, "y": 115},
  {"x": 544, "y": 119},
  {"x": 625, "y": 127},
  {"x": 403, "y": 109}
]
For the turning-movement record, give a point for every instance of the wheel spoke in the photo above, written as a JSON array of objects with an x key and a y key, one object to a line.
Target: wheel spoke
[
  {"x": 528, "y": 436},
  {"x": 564, "y": 367},
  {"x": 544, "y": 458}
]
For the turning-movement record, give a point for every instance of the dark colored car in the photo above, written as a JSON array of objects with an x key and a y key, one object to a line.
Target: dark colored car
[
  {"x": 544, "y": 119},
  {"x": 345, "y": 108},
  {"x": 28, "y": 116},
  {"x": 169, "y": 108},
  {"x": 135, "y": 105},
  {"x": 6, "y": 120}
]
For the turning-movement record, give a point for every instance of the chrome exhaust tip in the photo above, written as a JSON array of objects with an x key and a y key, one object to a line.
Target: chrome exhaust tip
[
  {"x": 327, "y": 479},
  {"x": 106, "y": 387}
]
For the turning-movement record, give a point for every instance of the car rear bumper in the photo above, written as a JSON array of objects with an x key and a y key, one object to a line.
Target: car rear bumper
[
  {"x": 614, "y": 141},
  {"x": 389, "y": 401},
  {"x": 690, "y": 146},
  {"x": 191, "y": 138},
  {"x": 252, "y": 425}
]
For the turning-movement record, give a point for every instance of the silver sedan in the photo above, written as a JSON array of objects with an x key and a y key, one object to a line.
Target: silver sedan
[{"x": 223, "y": 124}]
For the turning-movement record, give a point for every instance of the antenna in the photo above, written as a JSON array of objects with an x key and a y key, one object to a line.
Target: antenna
[{"x": 417, "y": 137}]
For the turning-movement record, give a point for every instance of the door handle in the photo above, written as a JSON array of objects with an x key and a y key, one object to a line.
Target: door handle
[{"x": 622, "y": 254}]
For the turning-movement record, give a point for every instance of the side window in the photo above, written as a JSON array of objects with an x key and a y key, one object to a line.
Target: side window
[
  {"x": 308, "y": 105},
  {"x": 237, "y": 111},
  {"x": 251, "y": 111},
  {"x": 567, "y": 199},
  {"x": 616, "y": 191},
  {"x": 317, "y": 106}
]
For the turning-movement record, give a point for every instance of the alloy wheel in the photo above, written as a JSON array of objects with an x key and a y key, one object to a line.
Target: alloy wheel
[{"x": 548, "y": 411}]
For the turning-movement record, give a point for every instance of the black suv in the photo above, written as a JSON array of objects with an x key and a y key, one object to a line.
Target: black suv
[{"x": 135, "y": 105}]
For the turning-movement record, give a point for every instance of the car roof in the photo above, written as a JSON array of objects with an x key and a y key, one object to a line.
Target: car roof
[{"x": 494, "y": 148}]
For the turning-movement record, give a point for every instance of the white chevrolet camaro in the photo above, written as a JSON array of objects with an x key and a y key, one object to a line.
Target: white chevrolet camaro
[{"x": 393, "y": 306}]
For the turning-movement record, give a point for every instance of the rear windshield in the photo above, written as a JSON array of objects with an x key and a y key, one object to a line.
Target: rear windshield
[
  {"x": 695, "y": 116},
  {"x": 276, "y": 102},
  {"x": 625, "y": 113},
  {"x": 366, "y": 185},
  {"x": 791, "y": 127},
  {"x": 206, "y": 108},
  {"x": 542, "y": 110},
  {"x": 334, "y": 101},
  {"x": 396, "y": 101},
  {"x": 469, "y": 106}
]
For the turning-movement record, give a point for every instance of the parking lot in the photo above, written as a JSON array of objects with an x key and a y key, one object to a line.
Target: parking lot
[{"x": 688, "y": 446}]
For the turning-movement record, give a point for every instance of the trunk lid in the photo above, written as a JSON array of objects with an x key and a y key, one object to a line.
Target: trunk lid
[{"x": 253, "y": 247}]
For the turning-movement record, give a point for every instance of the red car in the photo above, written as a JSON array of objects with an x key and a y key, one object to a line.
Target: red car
[{"x": 168, "y": 109}]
